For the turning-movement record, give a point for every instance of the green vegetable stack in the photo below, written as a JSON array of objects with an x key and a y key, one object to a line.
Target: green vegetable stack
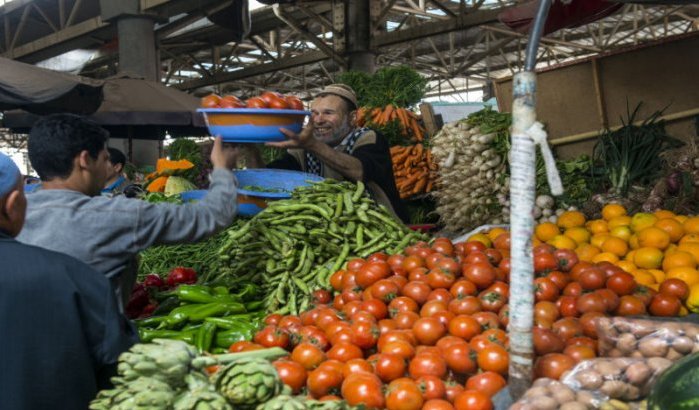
[
  {"x": 210, "y": 318},
  {"x": 293, "y": 246},
  {"x": 169, "y": 374}
]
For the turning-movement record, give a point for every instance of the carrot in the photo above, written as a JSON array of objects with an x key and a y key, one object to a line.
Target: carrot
[
  {"x": 417, "y": 132},
  {"x": 420, "y": 185},
  {"x": 429, "y": 186},
  {"x": 386, "y": 114},
  {"x": 417, "y": 150},
  {"x": 402, "y": 117}
]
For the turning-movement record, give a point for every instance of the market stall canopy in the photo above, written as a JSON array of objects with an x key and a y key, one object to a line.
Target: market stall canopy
[
  {"x": 561, "y": 15},
  {"x": 42, "y": 91},
  {"x": 134, "y": 108}
]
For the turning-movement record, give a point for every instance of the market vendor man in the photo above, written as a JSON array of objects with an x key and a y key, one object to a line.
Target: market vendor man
[
  {"x": 332, "y": 146},
  {"x": 68, "y": 215},
  {"x": 62, "y": 330},
  {"x": 116, "y": 180}
]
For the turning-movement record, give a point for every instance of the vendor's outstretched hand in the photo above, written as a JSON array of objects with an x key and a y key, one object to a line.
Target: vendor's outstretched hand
[
  {"x": 224, "y": 155},
  {"x": 302, "y": 140}
]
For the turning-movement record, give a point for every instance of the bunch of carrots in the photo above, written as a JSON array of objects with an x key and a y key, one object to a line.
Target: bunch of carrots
[
  {"x": 407, "y": 119},
  {"x": 414, "y": 170}
]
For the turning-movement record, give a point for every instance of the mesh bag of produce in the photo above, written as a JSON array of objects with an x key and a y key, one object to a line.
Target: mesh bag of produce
[{"x": 645, "y": 338}]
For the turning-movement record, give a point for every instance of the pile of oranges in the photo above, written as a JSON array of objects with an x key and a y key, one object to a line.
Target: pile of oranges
[{"x": 653, "y": 247}]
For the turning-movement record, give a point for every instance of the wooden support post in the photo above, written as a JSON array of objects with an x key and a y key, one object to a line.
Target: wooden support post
[{"x": 429, "y": 119}]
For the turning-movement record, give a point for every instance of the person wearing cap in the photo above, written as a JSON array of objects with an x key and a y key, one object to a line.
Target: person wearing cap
[
  {"x": 332, "y": 146},
  {"x": 62, "y": 330},
  {"x": 116, "y": 180},
  {"x": 68, "y": 214}
]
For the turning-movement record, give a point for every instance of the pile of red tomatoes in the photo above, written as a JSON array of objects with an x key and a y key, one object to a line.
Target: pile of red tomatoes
[
  {"x": 268, "y": 99},
  {"x": 425, "y": 329}
]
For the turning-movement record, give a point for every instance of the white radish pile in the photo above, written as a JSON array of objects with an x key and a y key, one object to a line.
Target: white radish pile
[{"x": 472, "y": 178}]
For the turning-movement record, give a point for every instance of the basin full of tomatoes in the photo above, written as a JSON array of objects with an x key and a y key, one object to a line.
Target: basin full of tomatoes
[
  {"x": 425, "y": 329},
  {"x": 268, "y": 99}
]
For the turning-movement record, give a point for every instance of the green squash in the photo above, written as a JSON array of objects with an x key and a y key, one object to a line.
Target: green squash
[{"x": 677, "y": 387}]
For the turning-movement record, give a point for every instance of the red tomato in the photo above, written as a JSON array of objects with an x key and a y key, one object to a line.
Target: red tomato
[
  {"x": 403, "y": 394},
  {"x": 231, "y": 101},
  {"x": 211, "y": 101},
  {"x": 476, "y": 257},
  {"x": 611, "y": 299},
  {"x": 365, "y": 334},
  {"x": 412, "y": 262},
  {"x": 432, "y": 259},
  {"x": 630, "y": 305},
  {"x": 504, "y": 316},
  {"x": 427, "y": 365},
  {"x": 545, "y": 312},
  {"x": 294, "y": 102},
  {"x": 240, "y": 346},
  {"x": 591, "y": 302},
  {"x": 568, "y": 306},
  {"x": 462, "y": 288},
  {"x": 487, "y": 320},
  {"x": 491, "y": 300},
  {"x": 290, "y": 323},
  {"x": 314, "y": 336},
  {"x": 621, "y": 283},
  {"x": 428, "y": 330},
  {"x": 354, "y": 265},
  {"x": 451, "y": 390},
  {"x": 437, "y": 278},
  {"x": 443, "y": 246},
  {"x": 401, "y": 304},
  {"x": 645, "y": 294},
  {"x": 344, "y": 352},
  {"x": 472, "y": 400},
  {"x": 399, "y": 348},
  {"x": 546, "y": 341},
  {"x": 573, "y": 289},
  {"x": 406, "y": 320},
  {"x": 437, "y": 404},
  {"x": 553, "y": 365},
  {"x": 582, "y": 341},
  {"x": 363, "y": 388},
  {"x": 322, "y": 296},
  {"x": 560, "y": 279},
  {"x": 465, "y": 327},
  {"x": 580, "y": 353},
  {"x": 417, "y": 291},
  {"x": 355, "y": 366},
  {"x": 441, "y": 295},
  {"x": 273, "y": 319},
  {"x": 545, "y": 263},
  {"x": 431, "y": 387},
  {"x": 566, "y": 258},
  {"x": 482, "y": 274},
  {"x": 488, "y": 383},
  {"x": 466, "y": 305},
  {"x": 389, "y": 367},
  {"x": 307, "y": 355},
  {"x": 588, "y": 321},
  {"x": 494, "y": 358},
  {"x": 377, "y": 308},
  {"x": 386, "y": 324},
  {"x": 372, "y": 272},
  {"x": 418, "y": 274},
  {"x": 336, "y": 280},
  {"x": 568, "y": 328},
  {"x": 256, "y": 102},
  {"x": 449, "y": 265},
  {"x": 664, "y": 304},
  {"x": 592, "y": 279},
  {"x": 545, "y": 289},
  {"x": 459, "y": 358},
  {"x": 291, "y": 373},
  {"x": 432, "y": 307},
  {"x": 323, "y": 381},
  {"x": 675, "y": 287}
]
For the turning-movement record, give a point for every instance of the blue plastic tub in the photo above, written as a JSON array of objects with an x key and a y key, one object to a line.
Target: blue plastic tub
[
  {"x": 195, "y": 195},
  {"x": 252, "y": 125},
  {"x": 252, "y": 202}
]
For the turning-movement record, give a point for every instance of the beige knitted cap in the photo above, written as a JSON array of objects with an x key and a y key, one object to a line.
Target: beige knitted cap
[{"x": 341, "y": 90}]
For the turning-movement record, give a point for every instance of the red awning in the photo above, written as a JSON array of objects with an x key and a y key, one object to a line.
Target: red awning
[{"x": 574, "y": 13}]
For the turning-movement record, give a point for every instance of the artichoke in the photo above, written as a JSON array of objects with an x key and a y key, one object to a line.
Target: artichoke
[
  {"x": 284, "y": 402},
  {"x": 143, "y": 393},
  {"x": 165, "y": 360},
  {"x": 201, "y": 395},
  {"x": 327, "y": 405},
  {"x": 248, "y": 382}
]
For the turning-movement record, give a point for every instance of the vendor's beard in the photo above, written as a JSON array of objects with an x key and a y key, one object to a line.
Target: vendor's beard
[{"x": 337, "y": 136}]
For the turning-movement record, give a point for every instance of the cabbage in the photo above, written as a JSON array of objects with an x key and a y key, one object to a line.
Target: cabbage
[{"x": 176, "y": 185}]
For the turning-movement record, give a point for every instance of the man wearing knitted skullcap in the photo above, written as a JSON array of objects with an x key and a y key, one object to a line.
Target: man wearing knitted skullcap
[
  {"x": 63, "y": 332},
  {"x": 332, "y": 146}
]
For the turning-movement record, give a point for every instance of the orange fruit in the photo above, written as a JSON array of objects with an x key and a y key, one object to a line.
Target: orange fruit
[
  {"x": 619, "y": 221},
  {"x": 664, "y": 214},
  {"x": 546, "y": 231},
  {"x": 643, "y": 277},
  {"x": 672, "y": 227},
  {"x": 586, "y": 251},
  {"x": 578, "y": 234},
  {"x": 642, "y": 220},
  {"x": 570, "y": 219},
  {"x": 677, "y": 259},
  {"x": 691, "y": 225},
  {"x": 628, "y": 266},
  {"x": 688, "y": 275},
  {"x": 610, "y": 211},
  {"x": 690, "y": 237},
  {"x": 495, "y": 232},
  {"x": 482, "y": 238},
  {"x": 630, "y": 255},
  {"x": 623, "y": 232},
  {"x": 691, "y": 247},
  {"x": 599, "y": 239},
  {"x": 633, "y": 242},
  {"x": 597, "y": 226},
  {"x": 658, "y": 274},
  {"x": 648, "y": 258},
  {"x": 605, "y": 257},
  {"x": 562, "y": 242},
  {"x": 681, "y": 218},
  {"x": 615, "y": 245},
  {"x": 653, "y": 237}
]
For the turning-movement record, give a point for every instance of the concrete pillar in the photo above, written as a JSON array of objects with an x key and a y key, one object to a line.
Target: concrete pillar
[
  {"x": 358, "y": 34},
  {"x": 137, "y": 52}
]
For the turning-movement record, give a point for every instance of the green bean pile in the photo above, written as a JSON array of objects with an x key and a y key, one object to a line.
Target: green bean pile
[{"x": 293, "y": 246}]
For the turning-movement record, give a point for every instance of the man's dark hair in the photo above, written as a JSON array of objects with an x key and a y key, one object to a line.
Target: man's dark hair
[
  {"x": 57, "y": 139},
  {"x": 116, "y": 157}
]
